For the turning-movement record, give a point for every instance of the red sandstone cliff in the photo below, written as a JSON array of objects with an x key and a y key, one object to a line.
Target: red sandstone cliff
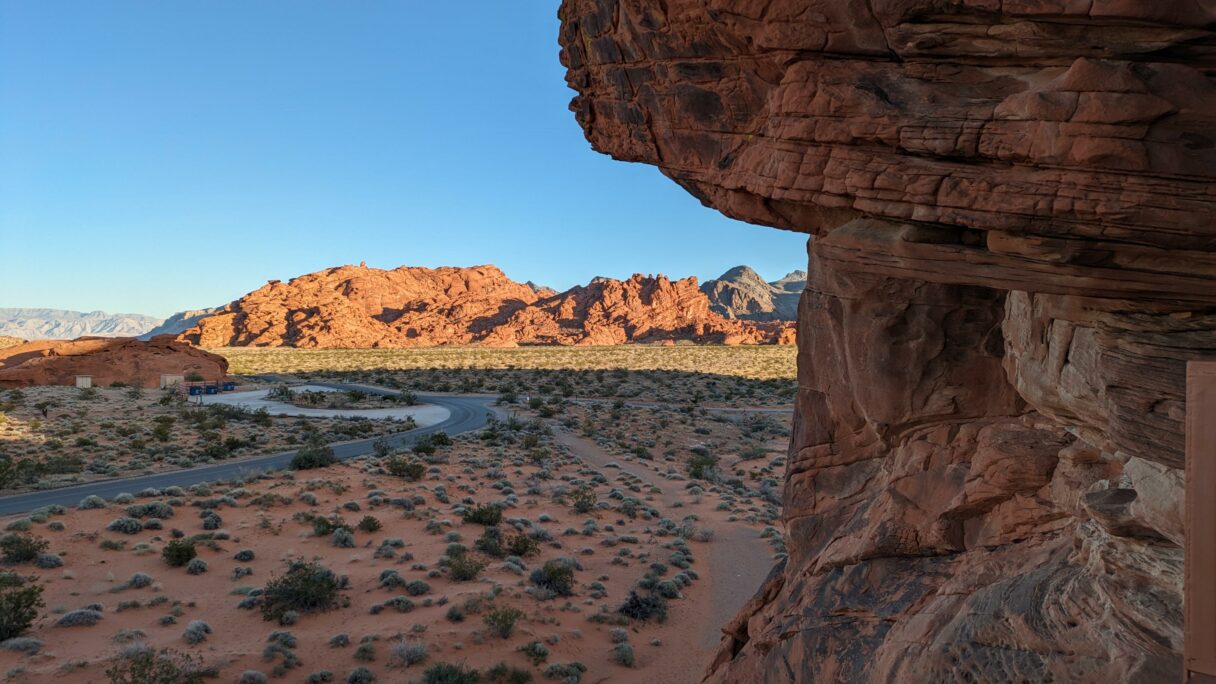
[
  {"x": 1013, "y": 260},
  {"x": 107, "y": 359},
  {"x": 360, "y": 307}
]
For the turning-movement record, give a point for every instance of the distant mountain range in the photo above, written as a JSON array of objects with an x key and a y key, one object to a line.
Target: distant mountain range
[
  {"x": 356, "y": 307},
  {"x": 40, "y": 324},
  {"x": 742, "y": 294},
  {"x": 361, "y": 307}
]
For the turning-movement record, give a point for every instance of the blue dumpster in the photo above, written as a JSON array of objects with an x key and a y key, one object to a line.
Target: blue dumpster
[
  {"x": 195, "y": 391},
  {"x": 212, "y": 389},
  {"x": 229, "y": 386}
]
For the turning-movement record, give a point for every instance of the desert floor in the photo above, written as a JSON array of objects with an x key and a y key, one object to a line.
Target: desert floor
[{"x": 674, "y": 500}]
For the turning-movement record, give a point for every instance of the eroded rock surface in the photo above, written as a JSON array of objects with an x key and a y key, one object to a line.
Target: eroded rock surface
[
  {"x": 356, "y": 307},
  {"x": 1012, "y": 260},
  {"x": 108, "y": 360}
]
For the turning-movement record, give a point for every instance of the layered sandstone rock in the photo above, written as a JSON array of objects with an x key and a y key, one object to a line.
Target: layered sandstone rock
[
  {"x": 361, "y": 307},
  {"x": 1012, "y": 261},
  {"x": 108, "y": 360}
]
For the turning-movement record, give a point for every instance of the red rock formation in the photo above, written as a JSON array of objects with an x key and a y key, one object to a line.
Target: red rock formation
[
  {"x": 360, "y": 307},
  {"x": 107, "y": 359},
  {"x": 1013, "y": 257}
]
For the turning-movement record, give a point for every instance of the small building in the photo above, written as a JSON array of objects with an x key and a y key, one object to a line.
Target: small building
[
  {"x": 84, "y": 381},
  {"x": 168, "y": 380}
]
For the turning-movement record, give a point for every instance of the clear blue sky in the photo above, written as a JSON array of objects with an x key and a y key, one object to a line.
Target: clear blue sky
[{"x": 157, "y": 156}]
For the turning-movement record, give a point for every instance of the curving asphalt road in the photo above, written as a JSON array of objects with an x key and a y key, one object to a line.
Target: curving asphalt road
[{"x": 467, "y": 413}]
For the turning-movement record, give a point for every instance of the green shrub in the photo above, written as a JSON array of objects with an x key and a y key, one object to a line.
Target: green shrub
[
  {"x": 554, "y": 576},
  {"x": 637, "y": 607},
  {"x": 465, "y": 568},
  {"x": 583, "y": 499},
  {"x": 489, "y": 515},
  {"x": 447, "y": 673},
  {"x": 369, "y": 524},
  {"x": 535, "y": 651},
  {"x": 179, "y": 552},
  {"x": 314, "y": 454},
  {"x": 21, "y": 548},
  {"x": 522, "y": 545},
  {"x": 502, "y": 620},
  {"x": 20, "y": 599},
  {"x": 305, "y": 588},
  {"x": 406, "y": 468}
]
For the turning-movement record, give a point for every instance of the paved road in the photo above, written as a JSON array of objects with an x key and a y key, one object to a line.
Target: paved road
[{"x": 467, "y": 413}]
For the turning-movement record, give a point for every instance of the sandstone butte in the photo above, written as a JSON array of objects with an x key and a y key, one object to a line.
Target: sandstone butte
[
  {"x": 107, "y": 359},
  {"x": 356, "y": 307},
  {"x": 1012, "y": 259}
]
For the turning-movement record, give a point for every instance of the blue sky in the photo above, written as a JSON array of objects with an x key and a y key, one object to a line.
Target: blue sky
[{"x": 157, "y": 156}]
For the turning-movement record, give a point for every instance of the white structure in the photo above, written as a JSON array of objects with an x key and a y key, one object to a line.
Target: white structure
[
  {"x": 84, "y": 381},
  {"x": 167, "y": 380}
]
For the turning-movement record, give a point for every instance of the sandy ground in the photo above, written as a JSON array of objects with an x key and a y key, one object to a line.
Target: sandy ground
[
  {"x": 423, "y": 414},
  {"x": 112, "y": 432},
  {"x": 524, "y": 467}
]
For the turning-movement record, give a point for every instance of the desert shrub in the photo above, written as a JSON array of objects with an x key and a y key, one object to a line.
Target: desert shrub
[
  {"x": 502, "y": 619},
  {"x": 622, "y": 653},
  {"x": 83, "y": 617},
  {"x": 155, "y": 509},
  {"x": 583, "y": 499},
  {"x": 535, "y": 651},
  {"x": 20, "y": 599},
  {"x": 447, "y": 673},
  {"x": 407, "y": 653},
  {"x": 91, "y": 501},
  {"x": 702, "y": 466},
  {"x": 305, "y": 587},
  {"x": 339, "y": 641},
  {"x": 21, "y": 548},
  {"x": 638, "y": 607},
  {"x": 342, "y": 538},
  {"x": 314, "y": 454},
  {"x": 126, "y": 526},
  {"x": 320, "y": 677},
  {"x": 489, "y": 515},
  {"x": 196, "y": 632},
  {"x": 490, "y": 543},
  {"x": 417, "y": 588},
  {"x": 465, "y": 568},
  {"x": 252, "y": 677},
  {"x": 145, "y": 666},
  {"x": 24, "y": 645},
  {"x": 244, "y": 555},
  {"x": 179, "y": 552},
  {"x": 554, "y": 576},
  {"x": 369, "y": 524},
  {"x": 455, "y": 614},
  {"x": 406, "y": 468},
  {"x": 522, "y": 545},
  {"x": 46, "y": 561},
  {"x": 360, "y": 675},
  {"x": 567, "y": 672},
  {"x": 196, "y": 566}
]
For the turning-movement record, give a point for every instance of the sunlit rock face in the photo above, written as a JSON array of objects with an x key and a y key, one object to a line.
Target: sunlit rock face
[{"x": 1013, "y": 257}]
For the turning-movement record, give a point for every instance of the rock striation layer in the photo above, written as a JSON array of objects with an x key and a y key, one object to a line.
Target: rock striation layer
[
  {"x": 108, "y": 360},
  {"x": 356, "y": 307},
  {"x": 741, "y": 293},
  {"x": 1012, "y": 260}
]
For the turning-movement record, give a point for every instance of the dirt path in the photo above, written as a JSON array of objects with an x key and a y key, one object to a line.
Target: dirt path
[{"x": 734, "y": 566}]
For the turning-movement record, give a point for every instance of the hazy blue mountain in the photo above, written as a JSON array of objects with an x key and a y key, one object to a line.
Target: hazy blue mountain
[{"x": 58, "y": 324}]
